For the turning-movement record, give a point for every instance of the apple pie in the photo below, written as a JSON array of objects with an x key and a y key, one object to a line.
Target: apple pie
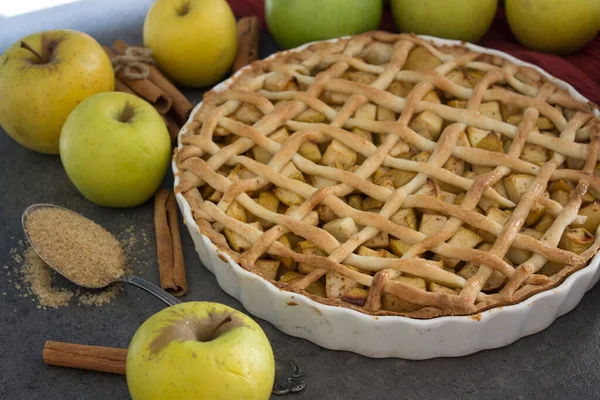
[{"x": 388, "y": 175}]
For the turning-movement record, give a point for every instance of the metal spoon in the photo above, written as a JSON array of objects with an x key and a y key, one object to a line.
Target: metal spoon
[{"x": 289, "y": 377}]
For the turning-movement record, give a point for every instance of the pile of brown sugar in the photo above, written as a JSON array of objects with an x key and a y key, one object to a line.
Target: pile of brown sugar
[
  {"x": 39, "y": 277},
  {"x": 81, "y": 250}
]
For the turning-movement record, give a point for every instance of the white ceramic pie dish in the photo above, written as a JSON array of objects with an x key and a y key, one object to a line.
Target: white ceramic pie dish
[{"x": 341, "y": 328}]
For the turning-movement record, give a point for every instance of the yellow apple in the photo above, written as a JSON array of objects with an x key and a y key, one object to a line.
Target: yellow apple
[
  {"x": 200, "y": 351},
  {"x": 193, "y": 41},
  {"x": 42, "y": 78},
  {"x": 116, "y": 149},
  {"x": 554, "y": 26},
  {"x": 466, "y": 20}
]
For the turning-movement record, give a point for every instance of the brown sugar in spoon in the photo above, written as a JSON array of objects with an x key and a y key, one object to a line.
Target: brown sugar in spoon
[
  {"x": 80, "y": 250},
  {"x": 89, "y": 256}
]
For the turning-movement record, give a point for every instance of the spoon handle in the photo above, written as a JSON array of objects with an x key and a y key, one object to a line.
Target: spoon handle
[{"x": 151, "y": 288}]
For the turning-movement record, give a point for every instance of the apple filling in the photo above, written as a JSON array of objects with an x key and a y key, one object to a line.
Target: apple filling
[{"x": 382, "y": 177}]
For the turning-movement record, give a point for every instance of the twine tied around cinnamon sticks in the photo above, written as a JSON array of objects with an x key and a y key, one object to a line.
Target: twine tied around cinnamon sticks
[{"x": 134, "y": 62}]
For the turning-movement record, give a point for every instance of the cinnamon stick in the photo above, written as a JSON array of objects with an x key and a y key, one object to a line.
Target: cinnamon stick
[
  {"x": 145, "y": 89},
  {"x": 172, "y": 126},
  {"x": 178, "y": 261},
  {"x": 247, "y": 51},
  {"x": 181, "y": 105},
  {"x": 120, "y": 86},
  {"x": 168, "y": 243},
  {"x": 93, "y": 358}
]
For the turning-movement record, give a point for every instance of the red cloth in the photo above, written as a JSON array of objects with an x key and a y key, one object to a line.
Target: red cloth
[{"x": 581, "y": 69}]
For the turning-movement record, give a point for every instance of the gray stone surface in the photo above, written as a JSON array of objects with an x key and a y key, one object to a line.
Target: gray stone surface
[{"x": 561, "y": 362}]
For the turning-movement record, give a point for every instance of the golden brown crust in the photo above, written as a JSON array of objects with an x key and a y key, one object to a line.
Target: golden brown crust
[{"x": 302, "y": 80}]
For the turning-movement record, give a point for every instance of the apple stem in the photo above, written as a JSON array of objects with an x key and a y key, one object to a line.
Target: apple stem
[
  {"x": 28, "y": 47},
  {"x": 185, "y": 9},
  {"x": 225, "y": 321}
]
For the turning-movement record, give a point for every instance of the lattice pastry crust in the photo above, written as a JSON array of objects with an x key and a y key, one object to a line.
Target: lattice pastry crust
[{"x": 391, "y": 176}]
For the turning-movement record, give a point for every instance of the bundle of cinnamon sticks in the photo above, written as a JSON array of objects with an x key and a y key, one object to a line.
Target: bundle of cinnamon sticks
[{"x": 172, "y": 105}]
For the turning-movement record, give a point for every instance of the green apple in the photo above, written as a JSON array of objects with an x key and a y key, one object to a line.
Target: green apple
[
  {"x": 200, "y": 351},
  {"x": 42, "y": 78},
  {"x": 466, "y": 20},
  {"x": 116, "y": 149},
  {"x": 295, "y": 22},
  {"x": 194, "y": 42},
  {"x": 554, "y": 26}
]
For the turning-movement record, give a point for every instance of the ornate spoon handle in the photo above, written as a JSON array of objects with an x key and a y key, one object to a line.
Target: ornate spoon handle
[{"x": 289, "y": 377}]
